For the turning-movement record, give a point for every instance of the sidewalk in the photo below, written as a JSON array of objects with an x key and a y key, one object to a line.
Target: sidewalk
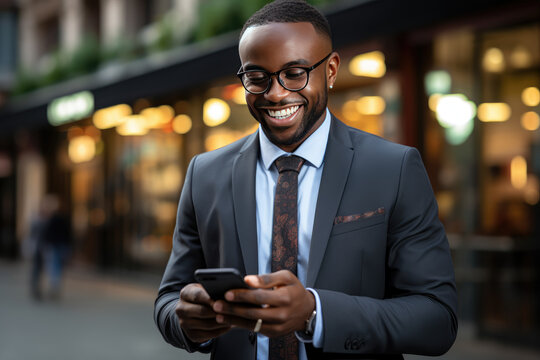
[
  {"x": 110, "y": 317},
  {"x": 97, "y": 317}
]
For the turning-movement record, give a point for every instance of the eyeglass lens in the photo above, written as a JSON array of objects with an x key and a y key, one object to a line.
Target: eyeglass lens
[{"x": 290, "y": 78}]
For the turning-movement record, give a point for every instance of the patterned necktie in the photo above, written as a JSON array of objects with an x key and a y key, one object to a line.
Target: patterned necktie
[{"x": 285, "y": 241}]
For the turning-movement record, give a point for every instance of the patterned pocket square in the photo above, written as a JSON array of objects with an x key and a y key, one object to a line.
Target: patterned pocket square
[{"x": 349, "y": 218}]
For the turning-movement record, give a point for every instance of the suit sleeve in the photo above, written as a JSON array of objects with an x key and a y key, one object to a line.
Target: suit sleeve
[
  {"x": 186, "y": 256},
  {"x": 418, "y": 313}
]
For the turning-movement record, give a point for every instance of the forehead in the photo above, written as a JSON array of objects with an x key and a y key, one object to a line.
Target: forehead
[{"x": 273, "y": 45}]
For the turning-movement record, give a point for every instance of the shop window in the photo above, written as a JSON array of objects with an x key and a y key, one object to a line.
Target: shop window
[
  {"x": 366, "y": 94},
  {"x": 226, "y": 116},
  {"x": 481, "y": 143}
]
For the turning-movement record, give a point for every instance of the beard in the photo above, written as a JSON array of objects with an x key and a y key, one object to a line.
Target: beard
[{"x": 306, "y": 125}]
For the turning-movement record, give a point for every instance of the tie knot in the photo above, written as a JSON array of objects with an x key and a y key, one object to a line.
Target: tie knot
[{"x": 289, "y": 163}]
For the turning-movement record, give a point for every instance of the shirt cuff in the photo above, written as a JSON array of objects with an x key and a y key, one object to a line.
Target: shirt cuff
[{"x": 317, "y": 338}]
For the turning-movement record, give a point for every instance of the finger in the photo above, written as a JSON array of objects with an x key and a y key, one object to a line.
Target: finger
[
  {"x": 247, "y": 312},
  {"x": 268, "y": 281},
  {"x": 195, "y": 293},
  {"x": 235, "y": 321},
  {"x": 270, "y": 315},
  {"x": 277, "y": 296},
  {"x": 190, "y": 310}
]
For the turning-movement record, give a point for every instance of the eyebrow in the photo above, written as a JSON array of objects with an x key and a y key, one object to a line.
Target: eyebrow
[{"x": 292, "y": 63}]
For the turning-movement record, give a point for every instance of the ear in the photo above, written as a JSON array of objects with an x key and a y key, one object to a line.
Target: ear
[{"x": 333, "y": 67}]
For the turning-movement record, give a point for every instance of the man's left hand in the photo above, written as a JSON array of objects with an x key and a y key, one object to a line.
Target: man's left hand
[{"x": 278, "y": 299}]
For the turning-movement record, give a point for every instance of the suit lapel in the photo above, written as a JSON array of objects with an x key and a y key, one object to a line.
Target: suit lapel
[
  {"x": 243, "y": 185},
  {"x": 337, "y": 162}
]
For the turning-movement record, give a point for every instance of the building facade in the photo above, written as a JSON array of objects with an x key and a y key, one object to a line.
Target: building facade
[{"x": 458, "y": 81}]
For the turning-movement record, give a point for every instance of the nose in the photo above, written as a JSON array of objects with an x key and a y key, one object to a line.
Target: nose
[{"x": 275, "y": 92}]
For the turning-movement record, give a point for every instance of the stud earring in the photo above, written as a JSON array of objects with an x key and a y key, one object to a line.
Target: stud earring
[{"x": 331, "y": 86}]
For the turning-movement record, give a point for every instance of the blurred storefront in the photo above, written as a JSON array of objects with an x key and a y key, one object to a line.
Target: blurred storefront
[{"x": 458, "y": 81}]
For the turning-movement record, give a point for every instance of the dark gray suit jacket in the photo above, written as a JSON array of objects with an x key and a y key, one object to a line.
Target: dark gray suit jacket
[{"x": 379, "y": 256}]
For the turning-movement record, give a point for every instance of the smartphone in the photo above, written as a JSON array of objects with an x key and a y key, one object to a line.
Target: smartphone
[{"x": 218, "y": 281}]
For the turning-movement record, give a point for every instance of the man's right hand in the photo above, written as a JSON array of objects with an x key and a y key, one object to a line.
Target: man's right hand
[{"x": 197, "y": 319}]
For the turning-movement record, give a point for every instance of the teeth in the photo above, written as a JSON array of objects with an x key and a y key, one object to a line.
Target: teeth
[{"x": 281, "y": 114}]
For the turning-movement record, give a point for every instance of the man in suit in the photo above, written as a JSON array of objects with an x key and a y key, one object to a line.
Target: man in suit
[{"x": 372, "y": 276}]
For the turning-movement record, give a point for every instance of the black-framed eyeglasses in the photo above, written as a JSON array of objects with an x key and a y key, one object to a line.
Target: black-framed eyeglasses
[{"x": 293, "y": 78}]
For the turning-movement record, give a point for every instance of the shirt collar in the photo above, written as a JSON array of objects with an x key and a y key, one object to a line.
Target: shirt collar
[{"x": 312, "y": 149}]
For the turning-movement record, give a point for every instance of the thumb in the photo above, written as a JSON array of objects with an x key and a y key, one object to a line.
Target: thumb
[{"x": 268, "y": 281}]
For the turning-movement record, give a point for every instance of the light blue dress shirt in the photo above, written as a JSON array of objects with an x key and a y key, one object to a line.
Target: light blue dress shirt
[{"x": 309, "y": 179}]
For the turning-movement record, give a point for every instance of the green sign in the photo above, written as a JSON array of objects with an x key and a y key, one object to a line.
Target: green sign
[{"x": 70, "y": 108}]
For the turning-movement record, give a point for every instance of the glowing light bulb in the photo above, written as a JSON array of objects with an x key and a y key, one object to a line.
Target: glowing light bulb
[
  {"x": 81, "y": 149},
  {"x": 371, "y": 105},
  {"x": 494, "y": 112},
  {"x": 215, "y": 112},
  {"x": 518, "y": 172},
  {"x": 531, "y": 96},
  {"x": 182, "y": 124},
  {"x": 530, "y": 121},
  {"x": 494, "y": 60},
  {"x": 371, "y": 64}
]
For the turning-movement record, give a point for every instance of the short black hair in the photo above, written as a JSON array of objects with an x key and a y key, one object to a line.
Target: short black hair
[{"x": 289, "y": 11}]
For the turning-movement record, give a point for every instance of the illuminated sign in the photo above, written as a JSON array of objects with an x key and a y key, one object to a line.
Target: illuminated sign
[
  {"x": 70, "y": 108},
  {"x": 438, "y": 82}
]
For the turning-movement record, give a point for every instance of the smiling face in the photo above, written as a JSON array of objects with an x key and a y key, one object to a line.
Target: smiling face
[{"x": 287, "y": 117}]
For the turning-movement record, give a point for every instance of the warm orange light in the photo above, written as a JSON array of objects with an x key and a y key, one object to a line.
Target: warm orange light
[
  {"x": 521, "y": 57},
  {"x": 182, "y": 124},
  {"x": 74, "y": 131},
  {"x": 239, "y": 95},
  {"x": 93, "y": 132},
  {"x": 530, "y": 121},
  {"x": 531, "y": 96},
  {"x": 518, "y": 172},
  {"x": 434, "y": 101},
  {"x": 81, "y": 149},
  {"x": 371, "y": 105},
  {"x": 371, "y": 64},
  {"x": 350, "y": 111},
  {"x": 112, "y": 116},
  {"x": 215, "y": 112},
  {"x": 220, "y": 138},
  {"x": 133, "y": 125},
  {"x": 494, "y": 112},
  {"x": 157, "y": 117},
  {"x": 494, "y": 60}
]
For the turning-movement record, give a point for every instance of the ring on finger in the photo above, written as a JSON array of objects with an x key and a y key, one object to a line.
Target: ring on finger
[{"x": 258, "y": 325}]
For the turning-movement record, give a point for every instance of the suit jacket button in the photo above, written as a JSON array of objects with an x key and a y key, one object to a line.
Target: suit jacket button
[{"x": 252, "y": 337}]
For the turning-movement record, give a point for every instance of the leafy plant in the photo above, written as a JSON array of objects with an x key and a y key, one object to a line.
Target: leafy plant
[
  {"x": 221, "y": 16},
  {"x": 56, "y": 71},
  {"x": 25, "y": 81},
  {"x": 165, "y": 38},
  {"x": 85, "y": 58}
]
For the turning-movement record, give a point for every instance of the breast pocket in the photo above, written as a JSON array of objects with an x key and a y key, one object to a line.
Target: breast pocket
[
  {"x": 357, "y": 224},
  {"x": 354, "y": 261}
]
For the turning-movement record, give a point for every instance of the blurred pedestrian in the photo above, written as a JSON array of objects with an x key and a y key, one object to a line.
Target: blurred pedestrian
[
  {"x": 34, "y": 248},
  {"x": 57, "y": 240},
  {"x": 50, "y": 238}
]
